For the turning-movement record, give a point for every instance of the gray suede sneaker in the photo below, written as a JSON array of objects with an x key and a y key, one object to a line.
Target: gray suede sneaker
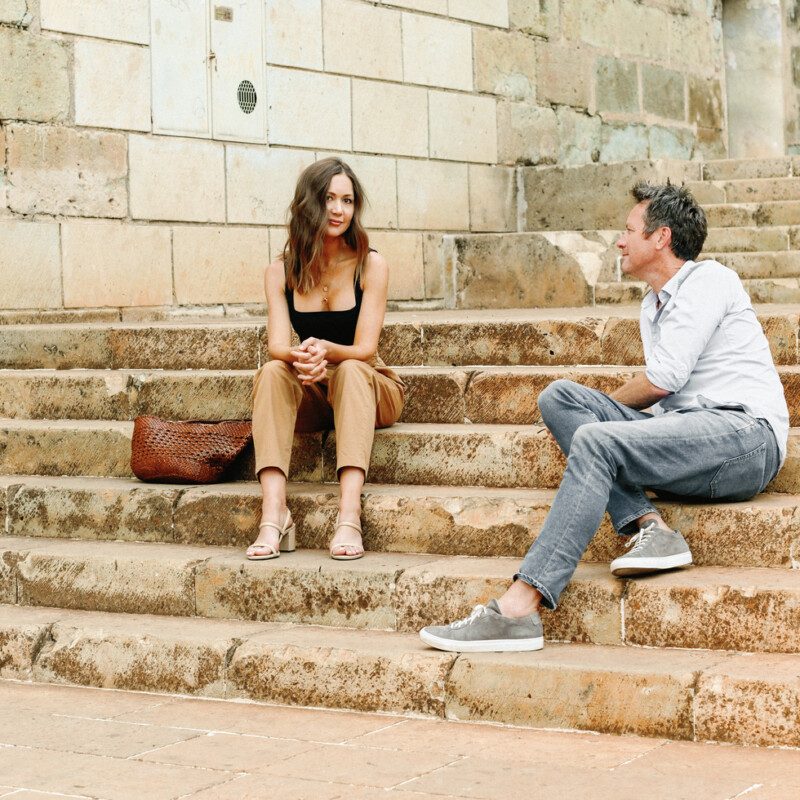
[
  {"x": 652, "y": 549},
  {"x": 486, "y": 630}
]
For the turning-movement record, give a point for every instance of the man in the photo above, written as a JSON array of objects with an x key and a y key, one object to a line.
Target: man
[{"x": 718, "y": 429}]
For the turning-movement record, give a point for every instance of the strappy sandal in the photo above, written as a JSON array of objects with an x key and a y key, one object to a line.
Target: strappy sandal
[
  {"x": 263, "y": 552},
  {"x": 346, "y": 556}
]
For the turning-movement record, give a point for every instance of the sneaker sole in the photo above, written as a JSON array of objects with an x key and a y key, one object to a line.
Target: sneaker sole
[
  {"x": 641, "y": 566},
  {"x": 483, "y": 646}
]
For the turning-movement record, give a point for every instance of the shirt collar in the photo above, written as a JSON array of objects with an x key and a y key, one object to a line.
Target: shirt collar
[{"x": 650, "y": 304}]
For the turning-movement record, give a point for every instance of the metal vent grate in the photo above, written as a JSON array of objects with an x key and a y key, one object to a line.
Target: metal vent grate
[{"x": 246, "y": 94}]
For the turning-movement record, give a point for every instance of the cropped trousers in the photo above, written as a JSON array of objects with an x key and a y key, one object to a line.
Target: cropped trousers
[{"x": 358, "y": 398}]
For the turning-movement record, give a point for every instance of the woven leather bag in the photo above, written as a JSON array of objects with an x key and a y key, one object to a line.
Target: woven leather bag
[{"x": 190, "y": 451}]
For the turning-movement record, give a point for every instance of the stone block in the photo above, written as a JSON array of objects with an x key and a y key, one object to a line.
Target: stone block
[
  {"x": 671, "y": 142},
  {"x": 594, "y": 22},
  {"x": 517, "y": 270},
  {"x": 492, "y": 198},
  {"x": 177, "y": 179},
  {"x": 505, "y": 64},
  {"x": 692, "y": 42},
  {"x": 526, "y": 134},
  {"x": 377, "y": 30},
  {"x": 15, "y": 12},
  {"x": 261, "y": 182},
  {"x": 403, "y": 252},
  {"x": 309, "y": 666},
  {"x": 429, "y": 6},
  {"x": 432, "y": 195},
  {"x": 705, "y": 102},
  {"x": 378, "y": 179},
  {"x": 21, "y": 637},
  {"x": 710, "y": 143},
  {"x": 219, "y": 265},
  {"x": 495, "y": 13},
  {"x": 578, "y": 136},
  {"x": 616, "y": 85},
  {"x": 535, "y": 19},
  {"x": 437, "y": 52},
  {"x": 463, "y": 127},
  {"x": 30, "y": 263},
  {"x": 104, "y": 19},
  {"x": 192, "y": 395},
  {"x": 54, "y": 347},
  {"x": 308, "y": 109},
  {"x": 294, "y": 33},
  {"x": 663, "y": 92},
  {"x": 433, "y": 396},
  {"x": 646, "y": 31},
  {"x": 623, "y": 142},
  {"x": 433, "y": 257},
  {"x": 561, "y": 75},
  {"x": 35, "y": 83},
  {"x": 112, "y": 85},
  {"x": 116, "y": 264},
  {"x": 56, "y": 170},
  {"x": 390, "y": 118}
]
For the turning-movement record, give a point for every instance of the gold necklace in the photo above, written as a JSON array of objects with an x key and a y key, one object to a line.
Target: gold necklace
[{"x": 324, "y": 292}]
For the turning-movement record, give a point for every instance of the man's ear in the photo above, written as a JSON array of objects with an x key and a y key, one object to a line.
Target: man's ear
[{"x": 663, "y": 237}]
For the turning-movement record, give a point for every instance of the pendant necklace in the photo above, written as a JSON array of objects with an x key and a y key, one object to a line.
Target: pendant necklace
[{"x": 324, "y": 298}]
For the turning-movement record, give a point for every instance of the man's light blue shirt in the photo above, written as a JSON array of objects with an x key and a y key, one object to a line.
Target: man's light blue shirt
[{"x": 706, "y": 346}]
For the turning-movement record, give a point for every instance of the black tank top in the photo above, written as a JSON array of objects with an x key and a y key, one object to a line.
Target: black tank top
[{"x": 333, "y": 326}]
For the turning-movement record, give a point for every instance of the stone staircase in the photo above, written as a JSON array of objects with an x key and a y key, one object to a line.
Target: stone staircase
[{"x": 105, "y": 581}]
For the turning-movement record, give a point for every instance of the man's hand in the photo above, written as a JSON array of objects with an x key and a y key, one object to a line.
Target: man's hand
[
  {"x": 308, "y": 360},
  {"x": 639, "y": 393}
]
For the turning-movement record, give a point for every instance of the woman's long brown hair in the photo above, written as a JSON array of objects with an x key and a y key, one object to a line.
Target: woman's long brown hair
[{"x": 308, "y": 221}]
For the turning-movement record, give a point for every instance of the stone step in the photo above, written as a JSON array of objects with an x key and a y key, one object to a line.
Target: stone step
[
  {"x": 691, "y": 695},
  {"x": 749, "y": 168},
  {"x": 709, "y": 608},
  {"x": 751, "y": 190},
  {"x": 483, "y": 395},
  {"x": 749, "y": 266},
  {"x": 752, "y": 240},
  {"x": 434, "y": 520},
  {"x": 407, "y": 453},
  {"x": 753, "y": 214},
  {"x": 592, "y": 335}
]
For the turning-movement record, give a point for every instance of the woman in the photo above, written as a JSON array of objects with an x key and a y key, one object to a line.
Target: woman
[{"x": 331, "y": 288}]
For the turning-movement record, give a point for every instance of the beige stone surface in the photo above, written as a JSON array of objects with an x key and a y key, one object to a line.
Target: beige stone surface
[
  {"x": 105, "y": 19},
  {"x": 36, "y": 347},
  {"x": 112, "y": 85},
  {"x": 463, "y": 127},
  {"x": 261, "y": 182},
  {"x": 578, "y": 136},
  {"x": 554, "y": 61},
  {"x": 403, "y": 252},
  {"x": 538, "y": 19},
  {"x": 295, "y": 666},
  {"x": 219, "y": 265},
  {"x": 377, "y": 30},
  {"x": 30, "y": 264},
  {"x": 58, "y": 170},
  {"x": 616, "y": 85},
  {"x": 492, "y": 198},
  {"x": 594, "y": 22},
  {"x": 294, "y": 33},
  {"x": 437, "y": 52},
  {"x": 517, "y": 270},
  {"x": 390, "y": 118},
  {"x": 646, "y": 31},
  {"x": 433, "y": 256},
  {"x": 430, "y": 6},
  {"x": 478, "y": 11},
  {"x": 663, "y": 92},
  {"x": 527, "y": 134},
  {"x": 432, "y": 195},
  {"x": 116, "y": 264},
  {"x": 693, "y": 41},
  {"x": 378, "y": 179},
  {"x": 36, "y": 78},
  {"x": 177, "y": 179},
  {"x": 705, "y": 102},
  {"x": 505, "y": 64},
  {"x": 309, "y": 109}
]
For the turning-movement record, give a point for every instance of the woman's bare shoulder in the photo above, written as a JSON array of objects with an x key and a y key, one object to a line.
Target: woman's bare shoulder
[
  {"x": 275, "y": 272},
  {"x": 376, "y": 264}
]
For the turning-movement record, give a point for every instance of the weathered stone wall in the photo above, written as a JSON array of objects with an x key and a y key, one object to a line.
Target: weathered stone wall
[{"x": 437, "y": 104}]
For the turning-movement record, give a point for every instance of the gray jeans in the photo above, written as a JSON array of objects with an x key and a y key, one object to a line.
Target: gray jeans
[{"x": 614, "y": 451}]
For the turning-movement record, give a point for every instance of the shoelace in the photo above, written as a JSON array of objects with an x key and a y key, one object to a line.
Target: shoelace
[
  {"x": 638, "y": 541},
  {"x": 478, "y": 611}
]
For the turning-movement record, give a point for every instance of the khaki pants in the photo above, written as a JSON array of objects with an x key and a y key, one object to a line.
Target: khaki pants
[{"x": 358, "y": 398}]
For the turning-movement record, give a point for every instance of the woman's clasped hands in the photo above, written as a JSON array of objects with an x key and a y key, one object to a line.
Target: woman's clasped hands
[{"x": 309, "y": 360}]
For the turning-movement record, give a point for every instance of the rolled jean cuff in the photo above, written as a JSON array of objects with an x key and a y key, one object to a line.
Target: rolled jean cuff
[
  {"x": 627, "y": 526},
  {"x": 547, "y": 597}
]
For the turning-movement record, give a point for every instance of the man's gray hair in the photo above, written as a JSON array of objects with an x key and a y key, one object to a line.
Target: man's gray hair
[{"x": 673, "y": 207}]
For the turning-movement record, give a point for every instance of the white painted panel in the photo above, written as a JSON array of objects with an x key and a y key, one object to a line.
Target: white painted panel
[
  {"x": 237, "y": 42},
  {"x": 179, "y": 53}
]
